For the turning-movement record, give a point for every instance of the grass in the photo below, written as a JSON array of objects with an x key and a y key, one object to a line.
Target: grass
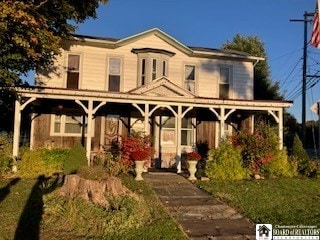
[
  {"x": 283, "y": 201},
  {"x": 24, "y": 208}
]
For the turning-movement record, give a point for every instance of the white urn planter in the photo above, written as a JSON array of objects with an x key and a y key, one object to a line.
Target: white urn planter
[
  {"x": 192, "y": 168},
  {"x": 139, "y": 170}
]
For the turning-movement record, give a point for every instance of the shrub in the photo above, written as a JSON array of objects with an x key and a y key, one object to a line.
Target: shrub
[
  {"x": 304, "y": 163},
  {"x": 280, "y": 166},
  {"x": 5, "y": 164},
  {"x": 77, "y": 158},
  {"x": 93, "y": 172},
  {"x": 136, "y": 142},
  {"x": 34, "y": 163},
  {"x": 111, "y": 163},
  {"x": 226, "y": 163}
]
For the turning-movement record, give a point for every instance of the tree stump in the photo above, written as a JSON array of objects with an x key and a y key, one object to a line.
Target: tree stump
[{"x": 95, "y": 191}]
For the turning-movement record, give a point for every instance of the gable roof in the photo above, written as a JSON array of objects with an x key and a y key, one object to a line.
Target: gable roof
[
  {"x": 162, "y": 87},
  {"x": 191, "y": 51}
]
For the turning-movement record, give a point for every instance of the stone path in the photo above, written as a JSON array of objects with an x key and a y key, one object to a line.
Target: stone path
[{"x": 200, "y": 215}]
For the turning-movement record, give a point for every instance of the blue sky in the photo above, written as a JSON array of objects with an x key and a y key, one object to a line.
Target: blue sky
[{"x": 210, "y": 23}]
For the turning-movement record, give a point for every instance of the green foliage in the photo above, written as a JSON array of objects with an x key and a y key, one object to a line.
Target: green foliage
[
  {"x": 280, "y": 166},
  {"x": 306, "y": 166},
  {"x": 5, "y": 152},
  {"x": 76, "y": 159},
  {"x": 31, "y": 33},
  {"x": 40, "y": 162},
  {"x": 226, "y": 163},
  {"x": 264, "y": 88}
]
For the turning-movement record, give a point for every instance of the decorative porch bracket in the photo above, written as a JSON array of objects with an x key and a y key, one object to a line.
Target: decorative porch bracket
[{"x": 17, "y": 124}]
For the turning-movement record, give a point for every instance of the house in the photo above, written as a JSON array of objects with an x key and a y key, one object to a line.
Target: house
[{"x": 101, "y": 88}]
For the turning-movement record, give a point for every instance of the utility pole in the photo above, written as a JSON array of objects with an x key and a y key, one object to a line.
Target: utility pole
[{"x": 304, "y": 72}]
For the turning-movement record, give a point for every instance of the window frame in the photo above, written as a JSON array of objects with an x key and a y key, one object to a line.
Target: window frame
[
  {"x": 190, "y": 129},
  {"x": 67, "y": 70},
  {"x": 120, "y": 58},
  {"x": 193, "y": 82},
  {"x": 229, "y": 82},
  {"x": 63, "y": 122}
]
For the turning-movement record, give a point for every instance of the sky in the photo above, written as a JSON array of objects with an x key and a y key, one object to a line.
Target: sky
[{"x": 211, "y": 23}]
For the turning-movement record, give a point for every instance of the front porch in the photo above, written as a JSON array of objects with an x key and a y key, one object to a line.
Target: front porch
[{"x": 176, "y": 121}]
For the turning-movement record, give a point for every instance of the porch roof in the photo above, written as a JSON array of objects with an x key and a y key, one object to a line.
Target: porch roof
[{"x": 130, "y": 97}]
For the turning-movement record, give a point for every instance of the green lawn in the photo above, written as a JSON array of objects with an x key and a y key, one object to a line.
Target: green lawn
[
  {"x": 283, "y": 201},
  {"x": 27, "y": 213}
]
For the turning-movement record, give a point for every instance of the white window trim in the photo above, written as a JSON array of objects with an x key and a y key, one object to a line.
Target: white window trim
[
  {"x": 121, "y": 72},
  {"x": 193, "y": 130},
  {"x": 196, "y": 80},
  {"x": 230, "y": 67},
  {"x": 149, "y": 57},
  {"x": 62, "y": 132},
  {"x": 80, "y": 68}
]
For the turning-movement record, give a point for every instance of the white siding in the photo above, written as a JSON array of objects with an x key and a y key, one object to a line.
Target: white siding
[{"x": 93, "y": 71}]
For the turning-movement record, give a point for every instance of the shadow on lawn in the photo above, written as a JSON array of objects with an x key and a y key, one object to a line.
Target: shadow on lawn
[
  {"x": 4, "y": 192},
  {"x": 29, "y": 222}
]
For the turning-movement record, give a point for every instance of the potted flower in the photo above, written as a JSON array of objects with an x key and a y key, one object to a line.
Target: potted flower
[
  {"x": 139, "y": 158},
  {"x": 192, "y": 159}
]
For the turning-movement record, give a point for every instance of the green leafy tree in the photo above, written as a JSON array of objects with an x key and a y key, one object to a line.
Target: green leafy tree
[
  {"x": 264, "y": 88},
  {"x": 31, "y": 32}
]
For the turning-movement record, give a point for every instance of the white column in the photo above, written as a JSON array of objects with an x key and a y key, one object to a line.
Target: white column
[
  {"x": 178, "y": 154},
  {"x": 146, "y": 119},
  {"x": 33, "y": 118},
  {"x": 16, "y": 130},
  {"x": 89, "y": 130},
  {"x": 222, "y": 122},
  {"x": 280, "y": 128}
]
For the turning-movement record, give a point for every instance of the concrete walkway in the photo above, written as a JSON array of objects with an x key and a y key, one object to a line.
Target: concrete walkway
[{"x": 200, "y": 215}]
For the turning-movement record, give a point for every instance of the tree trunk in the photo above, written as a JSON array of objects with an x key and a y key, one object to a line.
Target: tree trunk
[{"x": 94, "y": 190}]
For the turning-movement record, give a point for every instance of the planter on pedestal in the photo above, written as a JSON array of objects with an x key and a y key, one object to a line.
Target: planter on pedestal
[
  {"x": 192, "y": 168},
  {"x": 139, "y": 169}
]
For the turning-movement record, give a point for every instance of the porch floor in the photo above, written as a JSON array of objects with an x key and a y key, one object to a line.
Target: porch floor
[{"x": 200, "y": 215}]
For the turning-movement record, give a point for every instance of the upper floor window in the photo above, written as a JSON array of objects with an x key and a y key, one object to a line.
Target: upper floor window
[
  {"x": 164, "y": 68},
  {"x": 143, "y": 71},
  {"x": 73, "y": 71},
  {"x": 154, "y": 69},
  {"x": 224, "y": 82},
  {"x": 190, "y": 77},
  {"x": 114, "y": 74},
  {"x": 152, "y": 63}
]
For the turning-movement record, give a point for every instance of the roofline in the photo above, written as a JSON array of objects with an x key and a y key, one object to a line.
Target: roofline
[{"x": 114, "y": 43}]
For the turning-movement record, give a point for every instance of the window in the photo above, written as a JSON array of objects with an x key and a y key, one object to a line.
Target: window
[
  {"x": 154, "y": 69},
  {"x": 190, "y": 78},
  {"x": 73, "y": 71},
  {"x": 143, "y": 71},
  {"x": 187, "y": 132},
  {"x": 224, "y": 82},
  {"x": 168, "y": 133},
  {"x": 66, "y": 125},
  {"x": 114, "y": 74},
  {"x": 164, "y": 68}
]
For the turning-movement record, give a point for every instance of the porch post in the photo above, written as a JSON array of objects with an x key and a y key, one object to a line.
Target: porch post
[
  {"x": 16, "y": 130},
  {"x": 33, "y": 116},
  {"x": 280, "y": 128},
  {"x": 178, "y": 154},
  {"x": 222, "y": 122},
  {"x": 146, "y": 119},
  {"x": 89, "y": 130}
]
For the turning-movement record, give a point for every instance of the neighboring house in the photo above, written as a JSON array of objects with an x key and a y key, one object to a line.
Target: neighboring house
[{"x": 102, "y": 88}]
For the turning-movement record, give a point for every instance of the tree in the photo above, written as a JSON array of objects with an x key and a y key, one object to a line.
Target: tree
[
  {"x": 31, "y": 32},
  {"x": 264, "y": 88},
  {"x": 30, "y": 37}
]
